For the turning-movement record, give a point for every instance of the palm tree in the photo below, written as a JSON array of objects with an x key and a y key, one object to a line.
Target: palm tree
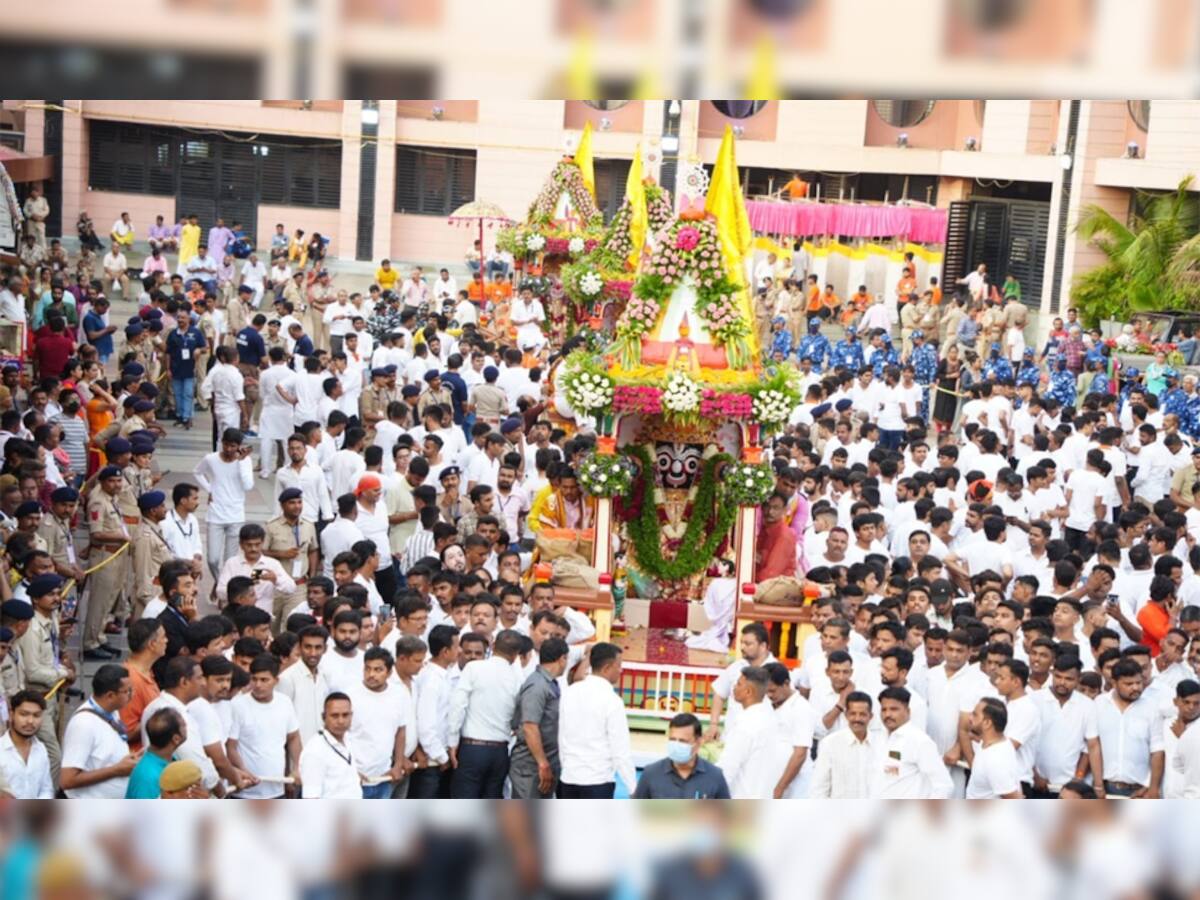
[{"x": 1153, "y": 260}]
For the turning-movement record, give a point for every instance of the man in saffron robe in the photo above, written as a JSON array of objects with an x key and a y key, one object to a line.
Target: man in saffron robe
[
  {"x": 566, "y": 507},
  {"x": 776, "y": 542}
]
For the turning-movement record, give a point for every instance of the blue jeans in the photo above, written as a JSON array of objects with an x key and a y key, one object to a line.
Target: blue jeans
[
  {"x": 481, "y": 772},
  {"x": 377, "y": 791},
  {"x": 184, "y": 390}
]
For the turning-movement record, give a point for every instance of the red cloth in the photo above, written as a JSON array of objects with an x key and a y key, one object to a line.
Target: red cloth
[
  {"x": 51, "y": 352},
  {"x": 924, "y": 226},
  {"x": 777, "y": 551}
]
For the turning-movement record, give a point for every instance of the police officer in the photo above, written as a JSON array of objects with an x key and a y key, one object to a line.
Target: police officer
[
  {"x": 293, "y": 541},
  {"x": 56, "y": 531},
  {"x": 44, "y": 661},
  {"x": 109, "y": 534},
  {"x": 150, "y": 549}
]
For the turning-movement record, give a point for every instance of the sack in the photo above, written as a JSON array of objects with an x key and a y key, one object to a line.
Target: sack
[
  {"x": 570, "y": 573},
  {"x": 783, "y": 590},
  {"x": 553, "y": 543}
]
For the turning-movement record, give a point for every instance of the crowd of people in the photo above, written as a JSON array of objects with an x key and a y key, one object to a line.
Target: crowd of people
[{"x": 1002, "y": 538}]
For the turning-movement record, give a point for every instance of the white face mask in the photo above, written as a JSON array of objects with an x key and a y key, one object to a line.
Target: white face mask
[{"x": 679, "y": 752}]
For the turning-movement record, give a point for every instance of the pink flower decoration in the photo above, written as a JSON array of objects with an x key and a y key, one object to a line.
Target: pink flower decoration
[{"x": 687, "y": 238}]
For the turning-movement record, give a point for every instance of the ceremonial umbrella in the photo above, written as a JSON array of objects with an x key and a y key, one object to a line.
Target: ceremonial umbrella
[{"x": 480, "y": 211}]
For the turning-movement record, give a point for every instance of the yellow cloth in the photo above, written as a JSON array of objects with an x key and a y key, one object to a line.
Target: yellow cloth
[
  {"x": 635, "y": 193},
  {"x": 537, "y": 507},
  {"x": 386, "y": 278},
  {"x": 189, "y": 243},
  {"x": 585, "y": 161},
  {"x": 725, "y": 201}
]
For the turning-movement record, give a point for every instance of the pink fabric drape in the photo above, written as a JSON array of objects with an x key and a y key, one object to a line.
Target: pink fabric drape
[{"x": 923, "y": 226}]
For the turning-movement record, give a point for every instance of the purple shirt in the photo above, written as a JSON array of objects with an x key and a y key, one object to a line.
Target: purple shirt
[
  {"x": 160, "y": 232},
  {"x": 218, "y": 239}
]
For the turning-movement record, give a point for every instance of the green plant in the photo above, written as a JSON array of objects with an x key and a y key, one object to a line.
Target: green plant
[{"x": 1153, "y": 261}]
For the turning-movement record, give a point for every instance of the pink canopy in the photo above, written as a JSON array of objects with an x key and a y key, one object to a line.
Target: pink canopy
[{"x": 922, "y": 226}]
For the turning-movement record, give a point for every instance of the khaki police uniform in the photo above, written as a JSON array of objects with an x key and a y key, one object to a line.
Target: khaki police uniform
[
  {"x": 107, "y": 585},
  {"x": 282, "y": 535},
  {"x": 150, "y": 550},
  {"x": 41, "y": 663}
]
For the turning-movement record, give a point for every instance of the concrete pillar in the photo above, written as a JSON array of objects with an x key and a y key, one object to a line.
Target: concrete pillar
[
  {"x": 348, "y": 212},
  {"x": 74, "y": 166},
  {"x": 385, "y": 179}
]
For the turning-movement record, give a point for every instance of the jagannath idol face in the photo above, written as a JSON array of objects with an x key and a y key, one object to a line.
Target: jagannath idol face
[{"x": 677, "y": 463}]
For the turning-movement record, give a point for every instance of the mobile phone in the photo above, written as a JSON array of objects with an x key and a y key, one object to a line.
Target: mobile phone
[{"x": 1112, "y": 599}]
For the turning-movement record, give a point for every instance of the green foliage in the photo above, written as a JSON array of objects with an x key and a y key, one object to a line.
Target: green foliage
[{"x": 1153, "y": 261}]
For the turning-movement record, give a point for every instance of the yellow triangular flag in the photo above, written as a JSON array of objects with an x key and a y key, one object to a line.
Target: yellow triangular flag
[
  {"x": 726, "y": 203},
  {"x": 763, "y": 83},
  {"x": 635, "y": 193},
  {"x": 583, "y": 159}
]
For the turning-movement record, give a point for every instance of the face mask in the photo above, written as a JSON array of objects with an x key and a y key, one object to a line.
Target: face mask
[{"x": 679, "y": 752}]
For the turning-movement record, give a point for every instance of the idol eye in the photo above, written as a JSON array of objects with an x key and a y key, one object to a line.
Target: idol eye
[{"x": 692, "y": 465}]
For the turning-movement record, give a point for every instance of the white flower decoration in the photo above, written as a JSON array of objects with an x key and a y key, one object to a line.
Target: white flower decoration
[
  {"x": 575, "y": 245},
  {"x": 772, "y": 406},
  {"x": 682, "y": 394},
  {"x": 535, "y": 242},
  {"x": 591, "y": 284}
]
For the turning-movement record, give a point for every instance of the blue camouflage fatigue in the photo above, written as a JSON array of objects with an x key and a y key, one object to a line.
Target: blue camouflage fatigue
[
  {"x": 847, "y": 355},
  {"x": 1030, "y": 374},
  {"x": 1062, "y": 387},
  {"x": 782, "y": 343},
  {"x": 1099, "y": 384},
  {"x": 881, "y": 357},
  {"x": 924, "y": 361},
  {"x": 814, "y": 347},
  {"x": 1189, "y": 419},
  {"x": 997, "y": 369},
  {"x": 1174, "y": 401}
]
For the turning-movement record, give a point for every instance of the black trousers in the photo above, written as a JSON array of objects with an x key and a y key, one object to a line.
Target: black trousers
[
  {"x": 429, "y": 784},
  {"x": 385, "y": 578},
  {"x": 586, "y": 791},
  {"x": 481, "y": 772}
]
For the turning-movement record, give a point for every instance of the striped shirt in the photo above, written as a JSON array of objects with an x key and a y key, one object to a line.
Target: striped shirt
[
  {"x": 420, "y": 545},
  {"x": 74, "y": 441}
]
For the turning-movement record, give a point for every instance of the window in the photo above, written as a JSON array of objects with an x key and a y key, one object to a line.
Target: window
[
  {"x": 433, "y": 181},
  {"x": 738, "y": 109},
  {"x": 1139, "y": 111},
  {"x": 903, "y": 113},
  {"x": 611, "y": 175},
  {"x": 141, "y": 160}
]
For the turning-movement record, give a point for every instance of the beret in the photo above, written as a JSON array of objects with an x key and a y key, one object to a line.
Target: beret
[
  {"x": 491, "y": 372},
  {"x": 44, "y": 584},
  {"x": 844, "y": 404},
  {"x": 16, "y": 609},
  {"x": 821, "y": 409},
  {"x": 133, "y": 330},
  {"x": 150, "y": 500},
  {"x": 290, "y": 494},
  {"x": 379, "y": 372},
  {"x": 917, "y": 333},
  {"x": 134, "y": 369},
  {"x": 410, "y": 390},
  {"x": 6, "y": 635},
  {"x": 64, "y": 495},
  {"x": 109, "y": 472},
  {"x": 449, "y": 470},
  {"x": 143, "y": 406},
  {"x": 245, "y": 289},
  {"x": 432, "y": 374},
  {"x": 508, "y": 426},
  {"x": 29, "y": 508}
]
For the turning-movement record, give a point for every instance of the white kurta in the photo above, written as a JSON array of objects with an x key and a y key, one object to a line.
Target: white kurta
[
  {"x": 750, "y": 749},
  {"x": 276, "y": 423},
  {"x": 719, "y": 602}
]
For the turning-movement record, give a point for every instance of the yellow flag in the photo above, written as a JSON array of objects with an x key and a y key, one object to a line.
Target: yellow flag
[
  {"x": 635, "y": 193},
  {"x": 764, "y": 72},
  {"x": 583, "y": 159},
  {"x": 726, "y": 203}
]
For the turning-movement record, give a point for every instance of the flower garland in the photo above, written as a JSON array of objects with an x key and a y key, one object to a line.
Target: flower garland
[
  {"x": 689, "y": 252},
  {"x": 716, "y": 405},
  {"x": 608, "y": 475},
  {"x": 588, "y": 388},
  {"x": 682, "y": 394},
  {"x": 642, "y": 399},
  {"x": 748, "y": 484},
  {"x": 696, "y": 550},
  {"x": 565, "y": 177}
]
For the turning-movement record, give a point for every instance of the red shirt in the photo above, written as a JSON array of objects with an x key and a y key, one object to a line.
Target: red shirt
[
  {"x": 51, "y": 351},
  {"x": 777, "y": 551}
]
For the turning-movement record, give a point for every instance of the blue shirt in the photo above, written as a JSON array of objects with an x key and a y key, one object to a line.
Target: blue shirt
[
  {"x": 93, "y": 321},
  {"x": 458, "y": 393},
  {"x": 250, "y": 346},
  {"x": 661, "y": 781},
  {"x": 181, "y": 348},
  {"x": 143, "y": 780},
  {"x": 304, "y": 346}
]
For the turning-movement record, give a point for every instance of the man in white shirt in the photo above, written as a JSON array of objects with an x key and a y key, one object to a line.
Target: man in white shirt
[
  {"x": 380, "y": 723},
  {"x": 754, "y": 644},
  {"x": 115, "y": 264},
  {"x": 445, "y": 289},
  {"x": 909, "y": 766},
  {"x": 348, "y": 463},
  {"x": 954, "y": 688},
  {"x": 182, "y": 681},
  {"x": 527, "y": 317},
  {"x": 24, "y": 763},
  {"x": 480, "y": 721},
  {"x": 433, "y": 714},
  {"x": 1184, "y": 760},
  {"x": 1068, "y": 731},
  {"x": 264, "y": 736},
  {"x": 341, "y": 534},
  {"x": 225, "y": 388},
  {"x": 1131, "y": 741},
  {"x": 328, "y": 768},
  {"x": 338, "y": 318},
  {"x": 593, "y": 732},
  {"x": 845, "y": 762},
  {"x": 304, "y": 683},
  {"x": 12, "y": 307},
  {"x": 307, "y": 478},
  {"x": 751, "y": 743},
  {"x": 1023, "y": 715},
  {"x": 995, "y": 772},
  {"x": 96, "y": 761},
  {"x": 254, "y": 275},
  {"x": 181, "y": 529},
  {"x": 342, "y": 667}
]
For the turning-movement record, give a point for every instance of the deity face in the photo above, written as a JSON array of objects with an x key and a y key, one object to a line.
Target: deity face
[{"x": 677, "y": 463}]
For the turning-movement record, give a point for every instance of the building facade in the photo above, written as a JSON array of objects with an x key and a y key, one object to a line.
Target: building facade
[{"x": 378, "y": 178}]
